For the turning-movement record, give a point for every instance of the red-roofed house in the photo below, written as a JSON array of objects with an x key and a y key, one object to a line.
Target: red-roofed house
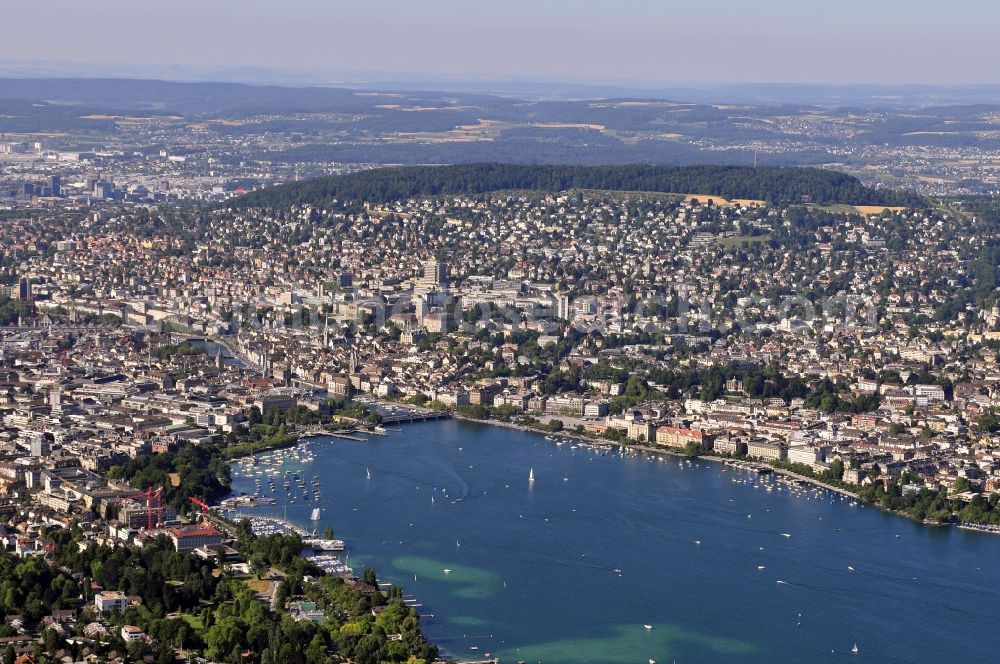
[{"x": 189, "y": 538}]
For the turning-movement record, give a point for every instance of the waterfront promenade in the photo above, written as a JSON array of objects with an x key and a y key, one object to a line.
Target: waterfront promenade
[{"x": 585, "y": 440}]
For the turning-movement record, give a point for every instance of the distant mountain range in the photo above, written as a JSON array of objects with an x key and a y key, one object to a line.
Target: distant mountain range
[{"x": 819, "y": 94}]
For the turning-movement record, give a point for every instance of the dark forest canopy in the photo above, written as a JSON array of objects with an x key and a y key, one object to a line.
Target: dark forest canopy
[{"x": 776, "y": 185}]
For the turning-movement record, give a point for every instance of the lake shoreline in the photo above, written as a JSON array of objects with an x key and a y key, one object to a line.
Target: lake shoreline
[
  {"x": 626, "y": 444},
  {"x": 813, "y": 481},
  {"x": 660, "y": 450}
]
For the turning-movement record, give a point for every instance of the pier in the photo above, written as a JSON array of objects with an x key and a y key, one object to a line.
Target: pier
[{"x": 314, "y": 432}]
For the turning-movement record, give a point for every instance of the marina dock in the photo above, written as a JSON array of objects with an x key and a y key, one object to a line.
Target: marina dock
[
  {"x": 270, "y": 525},
  {"x": 325, "y": 544}
]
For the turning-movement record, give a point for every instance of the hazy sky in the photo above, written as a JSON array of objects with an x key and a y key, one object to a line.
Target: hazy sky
[{"x": 841, "y": 41}]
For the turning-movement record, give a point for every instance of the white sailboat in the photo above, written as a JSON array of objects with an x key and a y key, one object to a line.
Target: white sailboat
[
  {"x": 368, "y": 473},
  {"x": 855, "y": 649},
  {"x": 531, "y": 475}
]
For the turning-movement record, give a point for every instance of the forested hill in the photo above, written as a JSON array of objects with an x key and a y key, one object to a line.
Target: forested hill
[{"x": 776, "y": 185}]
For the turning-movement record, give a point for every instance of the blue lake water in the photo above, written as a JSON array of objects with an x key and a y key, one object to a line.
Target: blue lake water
[{"x": 572, "y": 567}]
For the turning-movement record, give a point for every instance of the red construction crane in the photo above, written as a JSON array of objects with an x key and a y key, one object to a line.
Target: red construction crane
[
  {"x": 154, "y": 501},
  {"x": 203, "y": 506}
]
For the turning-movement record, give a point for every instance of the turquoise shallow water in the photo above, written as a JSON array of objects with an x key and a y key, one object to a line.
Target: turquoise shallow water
[{"x": 572, "y": 567}]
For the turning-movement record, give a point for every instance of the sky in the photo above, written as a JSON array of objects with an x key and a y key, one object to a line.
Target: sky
[{"x": 600, "y": 41}]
